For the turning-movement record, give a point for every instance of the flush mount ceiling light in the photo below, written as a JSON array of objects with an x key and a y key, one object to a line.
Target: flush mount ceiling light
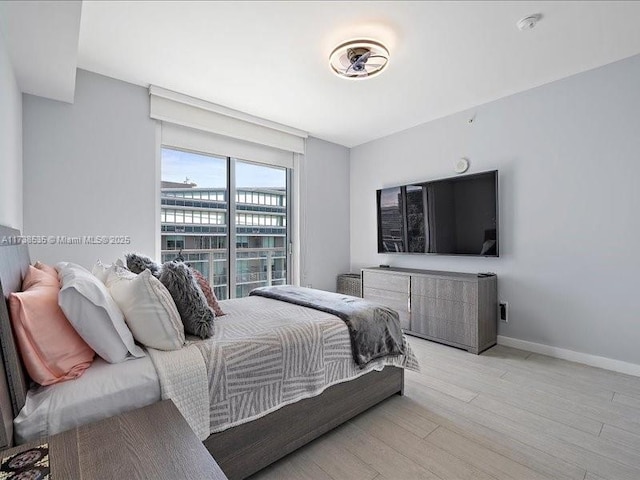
[{"x": 358, "y": 59}]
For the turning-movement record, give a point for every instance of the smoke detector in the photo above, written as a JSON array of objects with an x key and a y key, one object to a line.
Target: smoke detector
[
  {"x": 528, "y": 22},
  {"x": 358, "y": 59}
]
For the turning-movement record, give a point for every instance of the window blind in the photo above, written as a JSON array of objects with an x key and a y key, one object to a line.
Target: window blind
[
  {"x": 233, "y": 130},
  {"x": 184, "y": 138}
]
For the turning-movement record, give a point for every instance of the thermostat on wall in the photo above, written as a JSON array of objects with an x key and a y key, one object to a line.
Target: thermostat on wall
[{"x": 461, "y": 166}]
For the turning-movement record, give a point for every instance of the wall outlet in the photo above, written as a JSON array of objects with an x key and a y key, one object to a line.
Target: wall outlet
[
  {"x": 503, "y": 311},
  {"x": 309, "y": 285}
]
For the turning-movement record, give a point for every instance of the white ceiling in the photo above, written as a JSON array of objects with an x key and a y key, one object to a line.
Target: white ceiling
[
  {"x": 270, "y": 59},
  {"x": 42, "y": 40}
]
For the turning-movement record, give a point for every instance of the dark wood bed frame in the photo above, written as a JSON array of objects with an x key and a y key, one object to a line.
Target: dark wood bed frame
[{"x": 240, "y": 451}]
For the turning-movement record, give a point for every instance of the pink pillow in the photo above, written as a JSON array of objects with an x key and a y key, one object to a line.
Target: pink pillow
[
  {"x": 51, "y": 349},
  {"x": 208, "y": 292},
  {"x": 46, "y": 268}
]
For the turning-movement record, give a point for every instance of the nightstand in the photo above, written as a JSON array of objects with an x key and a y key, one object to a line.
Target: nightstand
[{"x": 153, "y": 442}]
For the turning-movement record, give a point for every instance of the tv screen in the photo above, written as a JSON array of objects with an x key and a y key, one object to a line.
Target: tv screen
[{"x": 452, "y": 216}]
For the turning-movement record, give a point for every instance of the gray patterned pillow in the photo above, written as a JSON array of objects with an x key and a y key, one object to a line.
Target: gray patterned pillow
[
  {"x": 196, "y": 314},
  {"x": 139, "y": 263}
]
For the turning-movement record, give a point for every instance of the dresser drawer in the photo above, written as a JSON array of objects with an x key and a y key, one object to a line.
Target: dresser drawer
[
  {"x": 446, "y": 310},
  {"x": 386, "y": 281},
  {"x": 394, "y": 300},
  {"x": 456, "y": 332},
  {"x": 458, "y": 290}
]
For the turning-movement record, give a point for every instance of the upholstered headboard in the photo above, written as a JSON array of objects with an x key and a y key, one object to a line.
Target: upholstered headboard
[{"x": 14, "y": 262}]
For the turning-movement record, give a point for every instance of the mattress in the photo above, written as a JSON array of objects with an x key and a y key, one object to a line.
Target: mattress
[{"x": 102, "y": 391}]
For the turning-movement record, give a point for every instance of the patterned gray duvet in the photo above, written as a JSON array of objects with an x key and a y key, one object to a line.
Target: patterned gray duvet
[{"x": 266, "y": 354}]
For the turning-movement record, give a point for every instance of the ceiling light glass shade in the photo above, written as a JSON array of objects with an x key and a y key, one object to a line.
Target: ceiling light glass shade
[{"x": 359, "y": 59}]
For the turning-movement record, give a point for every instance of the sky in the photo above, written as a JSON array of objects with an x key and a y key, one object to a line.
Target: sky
[
  {"x": 209, "y": 171},
  {"x": 389, "y": 197}
]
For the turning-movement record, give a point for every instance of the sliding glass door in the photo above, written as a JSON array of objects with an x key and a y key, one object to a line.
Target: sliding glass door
[
  {"x": 261, "y": 226},
  {"x": 249, "y": 233}
]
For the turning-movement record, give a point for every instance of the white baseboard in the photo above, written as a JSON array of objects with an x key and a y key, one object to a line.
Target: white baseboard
[{"x": 572, "y": 356}]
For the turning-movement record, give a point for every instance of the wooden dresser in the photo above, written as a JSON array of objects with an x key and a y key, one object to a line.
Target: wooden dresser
[
  {"x": 459, "y": 309},
  {"x": 153, "y": 442}
]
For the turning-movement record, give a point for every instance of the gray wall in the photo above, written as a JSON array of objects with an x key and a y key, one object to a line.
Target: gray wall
[
  {"x": 327, "y": 214},
  {"x": 89, "y": 169},
  {"x": 10, "y": 143},
  {"x": 568, "y": 155}
]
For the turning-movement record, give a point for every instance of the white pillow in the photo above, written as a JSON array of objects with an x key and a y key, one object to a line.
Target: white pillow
[
  {"x": 101, "y": 271},
  {"x": 148, "y": 308},
  {"x": 89, "y": 307}
]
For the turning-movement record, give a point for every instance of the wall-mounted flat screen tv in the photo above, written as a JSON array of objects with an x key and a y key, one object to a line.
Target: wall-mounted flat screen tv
[{"x": 451, "y": 216}]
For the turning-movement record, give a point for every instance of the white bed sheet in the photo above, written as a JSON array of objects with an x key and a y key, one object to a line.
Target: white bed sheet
[{"x": 102, "y": 391}]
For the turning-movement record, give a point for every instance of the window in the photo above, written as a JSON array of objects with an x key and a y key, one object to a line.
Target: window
[
  {"x": 242, "y": 242},
  {"x": 171, "y": 242},
  {"x": 247, "y": 253}
]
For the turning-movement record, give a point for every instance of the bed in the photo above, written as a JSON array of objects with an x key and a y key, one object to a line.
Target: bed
[{"x": 241, "y": 445}]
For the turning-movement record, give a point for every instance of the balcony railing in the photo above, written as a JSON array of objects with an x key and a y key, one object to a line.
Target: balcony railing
[
  {"x": 259, "y": 262},
  {"x": 260, "y": 277},
  {"x": 220, "y": 254}
]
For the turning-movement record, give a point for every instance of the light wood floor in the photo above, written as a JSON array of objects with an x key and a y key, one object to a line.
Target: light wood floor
[{"x": 506, "y": 414}]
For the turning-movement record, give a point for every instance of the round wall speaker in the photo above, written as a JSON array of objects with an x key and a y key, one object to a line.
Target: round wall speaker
[{"x": 461, "y": 165}]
